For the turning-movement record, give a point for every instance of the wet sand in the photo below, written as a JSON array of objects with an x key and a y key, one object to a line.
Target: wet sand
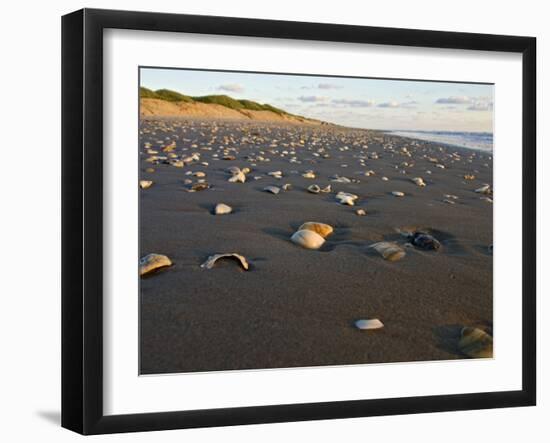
[{"x": 297, "y": 307}]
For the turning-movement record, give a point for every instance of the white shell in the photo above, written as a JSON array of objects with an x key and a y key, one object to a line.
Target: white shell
[
  {"x": 273, "y": 189},
  {"x": 385, "y": 179},
  {"x": 345, "y": 198},
  {"x": 238, "y": 178},
  {"x": 222, "y": 208},
  {"x": 361, "y": 212},
  {"x": 151, "y": 262},
  {"x": 366, "y": 325},
  {"x": 418, "y": 181},
  {"x": 308, "y": 174},
  {"x": 485, "y": 189},
  {"x": 211, "y": 261},
  {"x": 314, "y": 189},
  {"x": 398, "y": 194},
  {"x": 326, "y": 189},
  {"x": 144, "y": 184},
  {"x": 276, "y": 174},
  {"x": 307, "y": 239},
  {"x": 322, "y": 229}
]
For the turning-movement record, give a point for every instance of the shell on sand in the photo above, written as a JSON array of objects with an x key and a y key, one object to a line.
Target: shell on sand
[
  {"x": 345, "y": 198},
  {"x": 222, "y": 208},
  {"x": 390, "y": 251},
  {"x": 211, "y": 261},
  {"x": 239, "y": 177},
  {"x": 314, "y": 189},
  {"x": 369, "y": 324},
  {"x": 273, "y": 189},
  {"x": 286, "y": 187},
  {"x": 308, "y": 174},
  {"x": 361, "y": 212},
  {"x": 398, "y": 194},
  {"x": 307, "y": 239},
  {"x": 475, "y": 343},
  {"x": 144, "y": 184},
  {"x": 418, "y": 181},
  {"x": 152, "y": 262},
  {"x": 485, "y": 189},
  {"x": 326, "y": 189},
  {"x": 322, "y": 229},
  {"x": 198, "y": 187}
]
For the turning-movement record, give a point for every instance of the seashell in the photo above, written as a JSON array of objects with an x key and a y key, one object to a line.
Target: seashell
[
  {"x": 222, "y": 208},
  {"x": 322, "y": 229},
  {"x": 152, "y": 262},
  {"x": 469, "y": 177},
  {"x": 199, "y": 174},
  {"x": 308, "y": 174},
  {"x": 307, "y": 239},
  {"x": 246, "y": 170},
  {"x": 475, "y": 343},
  {"x": 144, "y": 184},
  {"x": 440, "y": 166},
  {"x": 229, "y": 157},
  {"x": 450, "y": 202},
  {"x": 327, "y": 189},
  {"x": 211, "y": 261},
  {"x": 273, "y": 189},
  {"x": 485, "y": 189},
  {"x": 390, "y": 251},
  {"x": 314, "y": 189},
  {"x": 385, "y": 179},
  {"x": 426, "y": 241},
  {"x": 337, "y": 179},
  {"x": 345, "y": 198},
  {"x": 418, "y": 181},
  {"x": 198, "y": 187},
  {"x": 286, "y": 187},
  {"x": 361, "y": 212},
  {"x": 398, "y": 194},
  {"x": 276, "y": 174},
  {"x": 238, "y": 178},
  {"x": 370, "y": 324}
]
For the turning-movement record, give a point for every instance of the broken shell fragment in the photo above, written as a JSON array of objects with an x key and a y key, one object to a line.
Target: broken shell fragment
[
  {"x": 485, "y": 189},
  {"x": 307, "y": 239},
  {"x": 239, "y": 177},
  {"x": 152, "y": 262},
  {"x": 326, "y": 189},
  {"x": 345, "y": 198},
  {"x": 398, "y": 194},
  {"x": 361, "y": 212},
  {"x": 370, "y": 324},
  {"x": 308, "y": 174},
  {"x": 273, "y": 189},
  {"x": 389, "y": 251},
  {"x": 211, "y": 261},
  {"x": 144, "y": 184},
  {"x": 418, "y": 181},
  {"x": 322, "y": 229},
  {"x": 475, "y": 343},
  {"x": 198, "y": 187},
  {"x": 222, "y": 208},
  {"x": 314, "y": 189}
]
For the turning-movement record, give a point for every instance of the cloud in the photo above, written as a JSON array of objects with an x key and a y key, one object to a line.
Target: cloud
[
  {"x": 312, "y": 98},
  {"x": 231, "y": 87},
  {"x": 454, "y": 100},
  {"x": 354, "y": 103},
  {"x": 481, "y": 106},
  {"x": 391, "y": 104},
  {"x": 328, "y": 86}
]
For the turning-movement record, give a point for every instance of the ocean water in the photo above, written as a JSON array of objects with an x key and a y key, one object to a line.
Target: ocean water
[{"x": 482, "y": 141}]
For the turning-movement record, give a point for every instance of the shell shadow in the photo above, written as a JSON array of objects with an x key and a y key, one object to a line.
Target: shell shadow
[{"x": 447, "y": 338}]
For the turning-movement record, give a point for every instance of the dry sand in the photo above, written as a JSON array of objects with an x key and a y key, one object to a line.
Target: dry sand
[{"x": 297, "y": 307}]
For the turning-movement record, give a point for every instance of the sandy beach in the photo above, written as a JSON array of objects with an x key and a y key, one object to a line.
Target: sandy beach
[{"x": 296, "y": 307}]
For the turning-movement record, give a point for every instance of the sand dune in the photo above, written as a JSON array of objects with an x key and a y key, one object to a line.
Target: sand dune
[{"x": 152, "y": 107}]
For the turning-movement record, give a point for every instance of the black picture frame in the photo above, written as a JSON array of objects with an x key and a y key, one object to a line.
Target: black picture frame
[{"x": 82, "y": 218}]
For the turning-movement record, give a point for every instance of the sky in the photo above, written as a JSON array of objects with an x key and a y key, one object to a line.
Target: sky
[{"x": 356, "y": 102}]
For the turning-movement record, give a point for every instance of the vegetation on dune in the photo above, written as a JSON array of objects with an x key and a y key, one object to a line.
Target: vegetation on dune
[{"x": 223, "y": 100}]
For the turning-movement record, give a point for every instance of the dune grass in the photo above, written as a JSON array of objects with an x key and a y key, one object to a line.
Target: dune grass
[{"x": 223, "y": 100}]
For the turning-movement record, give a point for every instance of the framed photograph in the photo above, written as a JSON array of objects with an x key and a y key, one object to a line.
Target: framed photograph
[{"x": 269, "y": 221}]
